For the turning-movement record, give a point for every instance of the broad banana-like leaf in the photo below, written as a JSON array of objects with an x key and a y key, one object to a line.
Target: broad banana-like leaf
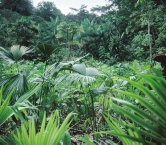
[
  {"x": 92, "y": 72},
  {"x": 81, "y": 68}
]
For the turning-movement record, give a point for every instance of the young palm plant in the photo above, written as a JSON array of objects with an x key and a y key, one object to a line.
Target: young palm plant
[
  {"x": 47, "y": 50},
  {"x": 83, "y": 89},
  {"x": 50, "y": 133},
  {"x": 15, "y": 54},
  {"x": 146, "y": 120},
  {"x": 17, "y": 80},
  {"x": 7, "y": 111}
]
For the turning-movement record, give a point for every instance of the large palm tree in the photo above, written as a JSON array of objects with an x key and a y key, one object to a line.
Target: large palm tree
[{"x": 67, "y": 32}]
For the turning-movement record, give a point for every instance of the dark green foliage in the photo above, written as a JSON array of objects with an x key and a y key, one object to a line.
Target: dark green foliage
[
  {"x": 47, "y": 9},
  {"x": 22, "y": 32},
  {"x": 47, "y": 50},
  {"x": 24, "y": 7},
  {"x": 9, "y": 16},
  {"x": 120, "y": 31},
  {"x": 78, "y": 15},
  {"x": 6, "y": 17}
]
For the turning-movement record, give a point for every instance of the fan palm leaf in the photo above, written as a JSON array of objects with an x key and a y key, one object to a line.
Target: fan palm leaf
[
  {"x": 82, "y": 75},
  {"x": 16, "y": 52},
  {"x": 47, "y": 49},
  {"x": 16, "y": 81}
]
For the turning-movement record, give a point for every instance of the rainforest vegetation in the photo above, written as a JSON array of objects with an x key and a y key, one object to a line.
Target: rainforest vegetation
[{"x": 85, "y": 78}]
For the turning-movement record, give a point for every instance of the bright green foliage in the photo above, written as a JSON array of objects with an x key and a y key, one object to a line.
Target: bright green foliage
[
  {"x": 22, "y": 32},
  {"x": 86, "y": 139},
  {"x": 7, "y": 111},
  {"x": 67, "y": 32},
  {"x": 148, "y": 115},
  {"x": 118, "y": 131},
  {"x": 122, "y": 32},
  {"x": 50, "y": 132}
]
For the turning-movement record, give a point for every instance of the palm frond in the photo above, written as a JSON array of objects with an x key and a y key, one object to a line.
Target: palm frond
[
  {"x": 47, "y": 49},
  {"x": 7, "y": 111},
  {"x": 148, "y": 114},
  {"x": 76, "y": 78},
  {"x": 16, "y": 81},
  {"x": 81, "y": 68}
]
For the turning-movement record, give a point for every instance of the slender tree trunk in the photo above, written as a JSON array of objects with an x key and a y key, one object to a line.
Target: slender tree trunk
[
  {"x": 150, "y": 44},
  {"x": 149, "y": 37},
  {"x": 148, "y": 15}
]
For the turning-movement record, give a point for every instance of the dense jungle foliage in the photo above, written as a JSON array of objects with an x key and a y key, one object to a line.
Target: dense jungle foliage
[{"x": 84, "y": 78}]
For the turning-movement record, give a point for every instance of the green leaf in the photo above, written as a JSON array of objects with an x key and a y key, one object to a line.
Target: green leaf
[
  {"x": 86, "y": 139},
  {"x": 147, "y": 116},
  {"x": 5, "y": 111},
  {"x": 16, "y": 52},
  {"x": 92, "y": 72},
  {"x": 66, "y": 138},
  {"x": 28, "y": 94},
  {"x": 47, "y": 49},
  {"x": 142, "y": 113},
  {"x": 17, "y": 82},
  {"x": 51, "y": 133},
  {"x": 80, "y": 68},
  {"x": 135, "y": 66}
]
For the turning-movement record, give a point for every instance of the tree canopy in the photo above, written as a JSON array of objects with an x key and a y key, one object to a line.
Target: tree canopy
[
  {"x": 23, "y": 7},
  {"x": 47, "y": 9}
]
